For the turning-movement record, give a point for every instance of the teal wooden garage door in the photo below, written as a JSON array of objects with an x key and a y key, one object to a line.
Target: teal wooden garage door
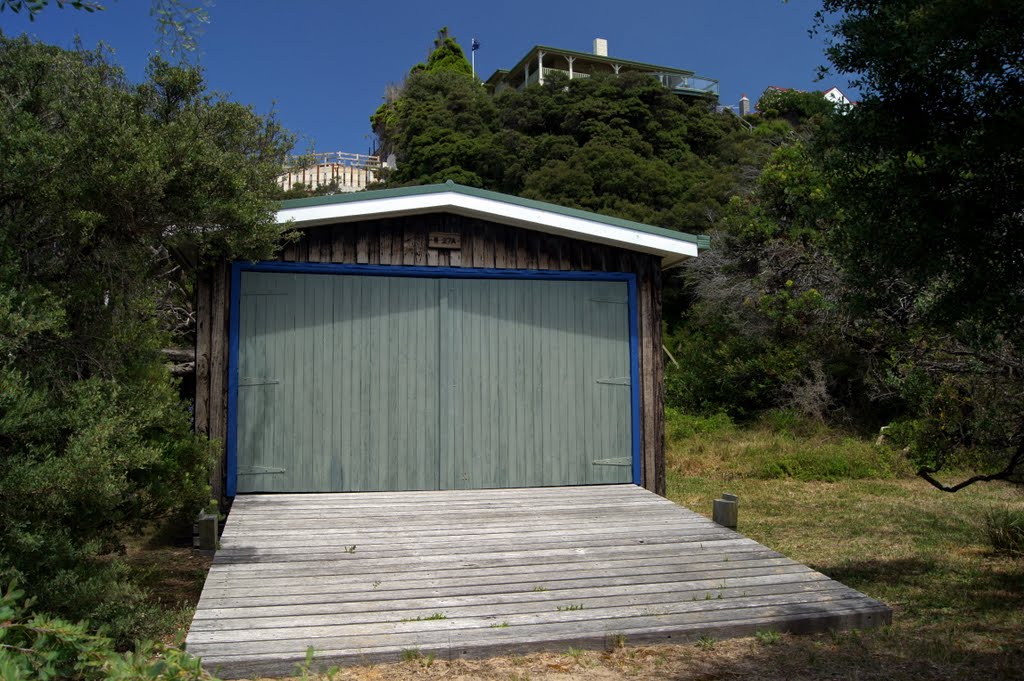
[{"x": 367, "y": 383}]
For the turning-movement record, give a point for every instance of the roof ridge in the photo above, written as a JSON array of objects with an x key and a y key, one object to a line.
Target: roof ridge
[{"x": 702, "y": 241}]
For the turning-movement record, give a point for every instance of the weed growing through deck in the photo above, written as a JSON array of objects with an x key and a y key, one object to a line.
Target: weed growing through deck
[
  {"x": 304, "y": 667},
  {"x": 566, "y": 608},
  {"x": 435, "y": 616},
  {"x": 540, "y": 588},
  {"x": 579, "y": 655},
  {"x": 706, "y": 643},
  {"x": 768, "y": 637},
  {"x": 499, "y": 625},
  {"x": 616, "y": 642},
  {"x": 350, "y": 549}
]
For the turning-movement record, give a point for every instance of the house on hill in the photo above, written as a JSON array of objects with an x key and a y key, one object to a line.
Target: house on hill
[{"x": 543, "y": 61}]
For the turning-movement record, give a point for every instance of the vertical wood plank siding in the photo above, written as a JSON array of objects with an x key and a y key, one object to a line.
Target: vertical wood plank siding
[{"x": 403, "y": 241}]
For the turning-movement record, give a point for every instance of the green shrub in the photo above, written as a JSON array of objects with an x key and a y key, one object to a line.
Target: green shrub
[
  {"x": 791, "y": 423},
  {"x": 1005, "y": 529},
  {"x": 81, "y": 468},
  {"x": 679, "y": 426},
  {"x": 847, "y": 459},
  {"x": 95, "y": 442},
  {"x": 39, "y": 647}
]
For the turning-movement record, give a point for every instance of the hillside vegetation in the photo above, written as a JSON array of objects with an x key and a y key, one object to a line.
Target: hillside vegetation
[{"x": 795, "y": 306}]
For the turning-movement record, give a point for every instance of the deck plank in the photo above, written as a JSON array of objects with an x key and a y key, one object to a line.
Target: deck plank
[{"x": 358, "y": 576}]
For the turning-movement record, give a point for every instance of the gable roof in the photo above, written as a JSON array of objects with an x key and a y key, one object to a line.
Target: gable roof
[{"x": 672, "y": 246}]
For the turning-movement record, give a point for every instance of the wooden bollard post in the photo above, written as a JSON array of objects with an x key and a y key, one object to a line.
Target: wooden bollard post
[{"x": 726, "y": 511}]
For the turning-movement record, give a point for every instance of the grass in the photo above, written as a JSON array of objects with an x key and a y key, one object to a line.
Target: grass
[
  {"x": 958, "y": 604},
  {"x": 1005, "y": 529},
  {"x": 777, "y": 448}
]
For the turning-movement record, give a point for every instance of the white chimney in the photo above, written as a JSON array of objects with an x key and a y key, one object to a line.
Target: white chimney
[
  {"x": 600, "y": 47},
  {"x": 744, "y": 105}
]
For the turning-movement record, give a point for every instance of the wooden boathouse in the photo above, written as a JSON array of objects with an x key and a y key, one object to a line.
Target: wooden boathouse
[
  {"x": 442, "y": 411},
  {"x": 438, "y": 337}
]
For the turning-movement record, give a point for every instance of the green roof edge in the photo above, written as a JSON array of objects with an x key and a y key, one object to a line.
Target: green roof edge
[
  {"x": 625, "y": 62},
  {"x": 701, "y": 240}
]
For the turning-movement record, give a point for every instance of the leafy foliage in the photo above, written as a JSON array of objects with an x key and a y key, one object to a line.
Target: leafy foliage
[
  {"x": 928, "y": 176},
  {"x": 34, "y": 7},
  {"x": 447, "y": 56},
  {"x": 107, "y": 191},
  {"x": 794, "y": 106},
  {"x": 40, "y": 647},
  {"x": 620, "y": 146}
]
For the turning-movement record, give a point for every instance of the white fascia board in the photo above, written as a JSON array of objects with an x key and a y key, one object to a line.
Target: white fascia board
[{"x": 672, "y": 251}]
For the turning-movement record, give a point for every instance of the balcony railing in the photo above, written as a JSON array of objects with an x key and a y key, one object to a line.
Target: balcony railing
[
  {"x": 348, "y": 172},
  {"x": 688, "y": 84},
  {"x": 680, "y": 84},
  {"x": 564, "y": 72},
  {"x": 341, "y": 158}
]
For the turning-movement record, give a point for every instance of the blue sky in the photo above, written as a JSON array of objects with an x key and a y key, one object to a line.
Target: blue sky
[{"x": 323, "y": 64}]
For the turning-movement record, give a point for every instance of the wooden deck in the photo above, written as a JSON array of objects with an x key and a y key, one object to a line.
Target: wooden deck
[{"x": 363, "y": 577}]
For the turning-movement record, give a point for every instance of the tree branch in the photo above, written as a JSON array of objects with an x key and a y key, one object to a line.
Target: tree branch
[{"x": 927, "y": 472}]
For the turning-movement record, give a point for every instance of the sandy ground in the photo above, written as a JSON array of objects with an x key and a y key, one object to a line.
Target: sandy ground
[{"x": 848, "y": 656}]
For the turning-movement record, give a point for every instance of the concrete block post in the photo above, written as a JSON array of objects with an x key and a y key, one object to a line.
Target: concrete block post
[
  {"x": 725, "y": 511},
  {"x": 206, "y": 532}
]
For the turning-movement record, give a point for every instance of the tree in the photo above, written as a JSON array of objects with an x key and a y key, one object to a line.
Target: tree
[
  {"x": 765, "y": 329},
  {"x": 107, "y": 191},
  {"x": 178, "y": 22},
  {"x": 442, "y": 129},
  {"x": 34, "y": 7},
  {"x": 928, "y": 171},
  {"x": 446, "y": 57},
  {"x": 622, "y": 146}
]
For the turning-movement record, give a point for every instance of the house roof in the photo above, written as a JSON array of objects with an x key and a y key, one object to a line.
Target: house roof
[
  {"x": 673, "y": 247},
  {"x": 590, "y": 56}
]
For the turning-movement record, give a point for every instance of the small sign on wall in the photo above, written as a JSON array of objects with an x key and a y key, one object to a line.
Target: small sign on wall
[{"x": 448, "y": 240}]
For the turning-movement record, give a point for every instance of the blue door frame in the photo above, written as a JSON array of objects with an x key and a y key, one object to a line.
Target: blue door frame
[{"x": 432, "y": 273}]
